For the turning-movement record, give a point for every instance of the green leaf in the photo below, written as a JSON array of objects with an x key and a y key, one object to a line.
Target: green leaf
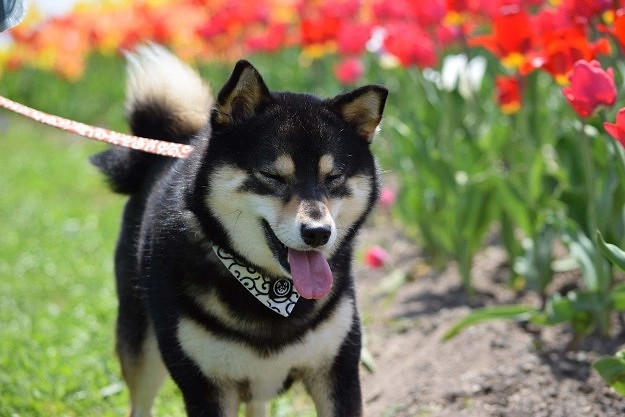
[
  {"x": 558, "y": 310},
  {"x": 535, "y": 262},
  {"x": 513, "y": 204},
  {"x": 612, "y": 252},
  {"x": 617, "y": 297},
  {"x": 581, "y": 309},
  {"x": 535, "y": 185},
  {"x": 594, "y": 268},
  {"x": 612, "y": 370},
  {"x": 505, "y": 312}
]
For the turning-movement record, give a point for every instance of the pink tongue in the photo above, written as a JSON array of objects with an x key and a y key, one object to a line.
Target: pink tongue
[{"x": 311, "y": 273}]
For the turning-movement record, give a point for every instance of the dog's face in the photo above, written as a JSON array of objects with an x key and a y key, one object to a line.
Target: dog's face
[{"x": 291, "y": 176}]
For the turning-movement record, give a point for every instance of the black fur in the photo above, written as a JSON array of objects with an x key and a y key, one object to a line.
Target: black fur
[{"x": 163, "y": 262}]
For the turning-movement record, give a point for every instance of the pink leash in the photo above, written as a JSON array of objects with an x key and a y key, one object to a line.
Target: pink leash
[{"x": 158, "y": 147}]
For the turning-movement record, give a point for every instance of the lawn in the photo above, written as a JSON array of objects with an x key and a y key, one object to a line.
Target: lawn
[{"x": 57, "y": 297}]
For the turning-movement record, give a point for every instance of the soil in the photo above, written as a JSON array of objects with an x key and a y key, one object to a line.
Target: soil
[{"x": 498, "y": 368}]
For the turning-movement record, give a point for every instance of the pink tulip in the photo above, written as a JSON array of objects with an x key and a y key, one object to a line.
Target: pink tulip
[
  {"x": 387, "y": 197},
  {"x": 349, "y": 70},
  {"x": 375, "y": 257},
  {"x": 591, "y": 86}
]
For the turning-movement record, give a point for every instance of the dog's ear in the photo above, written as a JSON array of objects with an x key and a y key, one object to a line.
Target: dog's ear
[
  {"x": 241, "y": 96},
  {"x": 362, "y": 109}
]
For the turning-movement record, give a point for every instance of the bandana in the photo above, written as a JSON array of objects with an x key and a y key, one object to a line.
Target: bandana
[{"x": 279, "y": 295}]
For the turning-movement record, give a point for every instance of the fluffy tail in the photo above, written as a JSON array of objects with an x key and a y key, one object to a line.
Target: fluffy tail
[{"x": 165, "y": 99}]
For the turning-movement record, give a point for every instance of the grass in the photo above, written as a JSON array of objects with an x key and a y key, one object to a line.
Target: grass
[{"x": 57, "y": 300}]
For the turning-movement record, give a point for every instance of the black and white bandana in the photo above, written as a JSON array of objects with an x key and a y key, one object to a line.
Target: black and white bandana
[{"x": 278, "y": 295}]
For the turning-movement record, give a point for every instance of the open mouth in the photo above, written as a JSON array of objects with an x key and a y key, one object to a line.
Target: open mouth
[
  {"x": 310, "y": 271},
  {"x": 278, "y": 248}
]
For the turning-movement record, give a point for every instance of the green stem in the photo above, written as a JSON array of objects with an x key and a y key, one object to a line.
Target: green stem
[
  {"x": 589, "y": 178},
  {"x": 464, "y": 259}
]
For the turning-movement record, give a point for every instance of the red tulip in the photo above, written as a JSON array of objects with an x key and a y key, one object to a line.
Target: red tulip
[
  {"x": 429, "y": 13},
  {"x": 375, "y": 257},
  {"x": 319, "y": 29},
  {"x": 587, "y": 8},
  {"x": 508, "y": 94},
  {"x": 618, "y": 27},
  {"x": 273, "y": 39},
  {"x": 512, "y": 37},
  {"x": 590, "y": 87},
  {"x": 617, "y": 130},
  {"x": 352, "y": 38},
  {"x": 561, "y": 48},
  {"x": 410, "y": 44},
  {"x": 349, "y": 70},
  {"x": 385, "y": 10}
]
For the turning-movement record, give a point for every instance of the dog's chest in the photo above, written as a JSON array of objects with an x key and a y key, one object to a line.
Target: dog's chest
[{"x": 234, "y": 362}]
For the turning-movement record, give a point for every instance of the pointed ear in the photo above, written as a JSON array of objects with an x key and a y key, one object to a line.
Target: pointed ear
[
  {"x": 362, "y": 109},
  {"x": 241, "y": 96}
]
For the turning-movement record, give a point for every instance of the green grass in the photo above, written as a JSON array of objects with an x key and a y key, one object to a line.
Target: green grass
[
  {"x": 58, "y": 226},
  {"x": 57, "y": 298}
]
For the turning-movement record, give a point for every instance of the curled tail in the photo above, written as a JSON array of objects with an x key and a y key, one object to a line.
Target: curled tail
[{"x": 165, "y": 99}]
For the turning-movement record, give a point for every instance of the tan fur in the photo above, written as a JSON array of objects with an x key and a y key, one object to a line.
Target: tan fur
[
  {"x": 239, "y": 213},
  {"x": 347, "y": 210},
  {"x": 364, "y": 114},
  {"x": 326, "y": 165},
  {"x": 144, "y": 374},
  {"x": 256, "y": 409},
  {"x": 245, "y": 96},
  {"x": 284, "y": 166},
  {"x": 232, "y": 361},
  {"x": 317, "y": 386}
]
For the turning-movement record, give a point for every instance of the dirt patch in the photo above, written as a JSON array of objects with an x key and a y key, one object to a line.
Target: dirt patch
[{"x": 493, "y": 369}]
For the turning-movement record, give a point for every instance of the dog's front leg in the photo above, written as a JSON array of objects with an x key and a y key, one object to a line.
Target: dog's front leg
[
  {"x": 197, "y": 405},
  {"x": 336, "y": 388},
  {"x": 336, "y": 394},
  {"x": 202, "y": 396}
]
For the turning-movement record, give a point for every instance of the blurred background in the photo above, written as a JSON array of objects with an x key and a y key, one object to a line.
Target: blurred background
[{"x": 503, "y": 128}]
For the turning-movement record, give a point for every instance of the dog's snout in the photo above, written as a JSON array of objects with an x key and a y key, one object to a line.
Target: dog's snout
[{"x": 317, "y": 235}]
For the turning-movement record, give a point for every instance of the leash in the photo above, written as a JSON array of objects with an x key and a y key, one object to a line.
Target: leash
[{"x": 158, "y": 147}]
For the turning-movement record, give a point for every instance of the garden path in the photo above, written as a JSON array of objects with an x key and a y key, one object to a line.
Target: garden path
[{"x": 492, "y": 369}]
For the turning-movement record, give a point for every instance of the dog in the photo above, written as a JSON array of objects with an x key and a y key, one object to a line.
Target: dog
[{"x": 233, "y": 266}]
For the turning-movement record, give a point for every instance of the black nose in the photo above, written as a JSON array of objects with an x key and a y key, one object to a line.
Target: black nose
[{"x": 316, "y": 235}]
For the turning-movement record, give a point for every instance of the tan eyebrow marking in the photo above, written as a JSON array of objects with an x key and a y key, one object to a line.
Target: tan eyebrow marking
[
  {"x": 326, "y": 164},
  {"x": 284, "y": 166}
]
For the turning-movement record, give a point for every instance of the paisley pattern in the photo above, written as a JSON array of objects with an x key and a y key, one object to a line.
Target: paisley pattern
[{"x": 278, "y": 295}]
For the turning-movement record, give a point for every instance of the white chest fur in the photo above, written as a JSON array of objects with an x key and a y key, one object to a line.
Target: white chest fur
[{"x": 232, "y": 361}]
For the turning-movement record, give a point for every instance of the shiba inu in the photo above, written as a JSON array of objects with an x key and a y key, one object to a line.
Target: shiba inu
[{"x": 233, "y": 266}]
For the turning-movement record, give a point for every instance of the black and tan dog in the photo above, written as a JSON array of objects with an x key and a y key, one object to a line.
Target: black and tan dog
[{"x": 234, "y": 265}]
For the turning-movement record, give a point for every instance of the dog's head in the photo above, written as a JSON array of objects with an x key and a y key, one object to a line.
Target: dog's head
[{"x": 290, "y": 176}]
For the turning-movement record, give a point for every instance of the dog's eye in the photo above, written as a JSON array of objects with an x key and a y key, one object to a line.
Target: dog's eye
[
  {"x": 269, "y": 176},
  {"x": 334, "y": 180}
]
